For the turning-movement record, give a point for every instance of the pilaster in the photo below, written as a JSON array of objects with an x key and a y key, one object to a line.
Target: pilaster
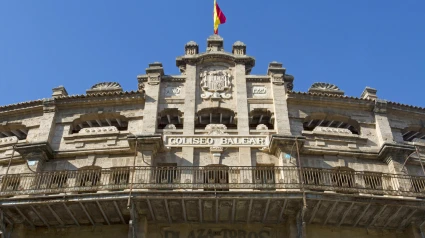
[
  {"x": 281, "y": 83},
  {"x": 152, "y": 87},
  {"x": 241, "y": 102},
  {"x": 383, "y": 128},
  {"x": 47, "y": 122}
]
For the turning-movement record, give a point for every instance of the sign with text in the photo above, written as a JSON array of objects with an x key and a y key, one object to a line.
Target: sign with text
[{"x": 216, "y": 141}]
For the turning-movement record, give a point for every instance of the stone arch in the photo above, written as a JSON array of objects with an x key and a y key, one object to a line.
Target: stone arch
[
  {"x": 216, "y": 115},
  {"x": 330, "y": 120},
  {"x": 170, "y": 116},
  {"x": 99, "y": 120},
  {"x": 261, "y": 116}
]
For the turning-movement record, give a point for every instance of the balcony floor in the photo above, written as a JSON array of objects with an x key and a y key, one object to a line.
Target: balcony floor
[{"x": 267, "y": 207}]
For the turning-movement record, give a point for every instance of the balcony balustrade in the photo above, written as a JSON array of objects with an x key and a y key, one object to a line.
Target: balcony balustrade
[{"x": 211, "y": 178}]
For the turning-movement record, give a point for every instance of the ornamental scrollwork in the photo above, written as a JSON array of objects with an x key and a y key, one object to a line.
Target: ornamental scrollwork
[{"x": 216, "y": 84}]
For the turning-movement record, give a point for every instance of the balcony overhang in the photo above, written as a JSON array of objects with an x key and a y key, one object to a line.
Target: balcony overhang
[
  {"x": 284, "y": 142},
  {"x": 393, "y": 149},
  {"x": 167, "y": 207},
  {"x": 146, "y": 142},
  {"x": 38, "y": 150}
]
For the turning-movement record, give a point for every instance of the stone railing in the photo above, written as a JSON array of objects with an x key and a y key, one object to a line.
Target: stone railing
[{"x": 212, "y": 178}]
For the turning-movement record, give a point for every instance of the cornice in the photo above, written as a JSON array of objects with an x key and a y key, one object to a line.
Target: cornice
[
  {"x": 330, "y": 100},
  {"x": 248, "y": 61}
]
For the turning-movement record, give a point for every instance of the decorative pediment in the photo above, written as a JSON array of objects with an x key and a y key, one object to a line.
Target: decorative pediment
[
  {"x": 105, "y": 87},
  {"x": 326, "y": 88}
]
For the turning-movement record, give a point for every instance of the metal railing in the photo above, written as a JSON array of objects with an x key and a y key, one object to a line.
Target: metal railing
[{"x": 211, "y": 178}]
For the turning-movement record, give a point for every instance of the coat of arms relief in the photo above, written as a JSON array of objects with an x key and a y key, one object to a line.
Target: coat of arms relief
[{"x": 216, "y": 84}]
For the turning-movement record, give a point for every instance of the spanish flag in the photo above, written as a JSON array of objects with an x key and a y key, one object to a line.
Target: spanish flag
[{"x": 219, "y": 17}]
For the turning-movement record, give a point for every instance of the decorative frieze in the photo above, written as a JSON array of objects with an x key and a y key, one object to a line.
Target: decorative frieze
[
  {"x": 332, "y": 130},
  {"x": 98, "y": 130},
  {"x": 8, "y": 140}
]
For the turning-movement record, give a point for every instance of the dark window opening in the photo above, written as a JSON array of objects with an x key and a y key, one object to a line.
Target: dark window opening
[
  {"x": 166, "y": 173},
  {"x": 372, "y": 180},
  {"x": 119, "y": 176},
  {"x": 216, "y": 175},
  {"x": 88, "y": 177}
]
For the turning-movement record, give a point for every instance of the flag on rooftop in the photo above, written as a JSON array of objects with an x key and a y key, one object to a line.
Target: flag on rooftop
[{"x": 219, "y": 17}]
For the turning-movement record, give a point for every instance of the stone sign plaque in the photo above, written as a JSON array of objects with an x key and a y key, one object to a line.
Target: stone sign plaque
[
  {"x": 259, "y": 90},
  {"x": 216, "y": 141},
  {"x": 172, "y": 91}
]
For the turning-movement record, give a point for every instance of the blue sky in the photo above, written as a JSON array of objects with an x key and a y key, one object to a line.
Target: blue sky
[{"x": 78, "y": 43}]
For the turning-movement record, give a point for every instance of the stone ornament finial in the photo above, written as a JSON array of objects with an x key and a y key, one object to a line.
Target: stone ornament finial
[
  {"x": 59, "y": 92},
  {"x": 215, "y": 43},
  {"x": 369, "y": 93},
  {"x": 325, "y": 88},
  {"x": 191, "y": 48},
  {"x": 239, "y": 48}
]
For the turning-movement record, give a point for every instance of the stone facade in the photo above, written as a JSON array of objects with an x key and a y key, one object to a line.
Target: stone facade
[{"x": 212, "y": 152}]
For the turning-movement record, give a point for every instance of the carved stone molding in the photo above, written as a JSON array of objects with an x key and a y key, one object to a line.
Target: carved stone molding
[
  {"x": 216, "y": 129},
  {"x": 169, "y": 129},
  {"x": 97, "y": 135},
  {"x": 325, "y": 88},
  {"x": 216, "y": 84},
  {"x": 98, "y": 130},
  {"x": 8, "y": 140},
  {"x": 172, "y": 91},
  {"x": 332, "y": 130}
]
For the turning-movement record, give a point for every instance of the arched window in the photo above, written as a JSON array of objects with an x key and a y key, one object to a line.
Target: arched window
[
  {"x": 99, "y": 120},
  {"x": 14, "y": 129},
  {"x": 329, "y": 120},
  {"x": 216, "y": 116},
  {"x": 413, "y": 132},
  {"x": 260, "y": 116},
  {"x": 170, "y": 116}
]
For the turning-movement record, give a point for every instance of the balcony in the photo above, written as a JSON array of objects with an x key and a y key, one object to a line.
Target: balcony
[{"x": 211, "y": 178}]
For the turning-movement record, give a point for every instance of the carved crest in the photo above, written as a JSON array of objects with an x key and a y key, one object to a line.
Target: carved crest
[{"x": 216, "y": 84}]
